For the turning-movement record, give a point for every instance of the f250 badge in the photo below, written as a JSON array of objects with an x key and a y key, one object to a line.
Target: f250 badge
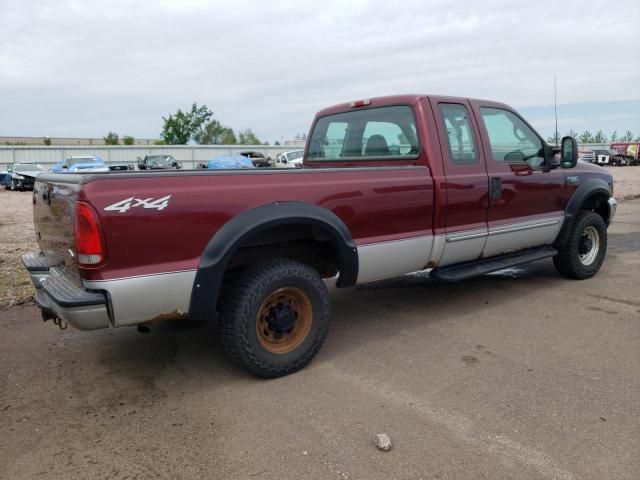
[{"x": 132, "y": 202}]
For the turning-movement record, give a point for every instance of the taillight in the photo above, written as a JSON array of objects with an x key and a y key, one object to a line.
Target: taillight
[{"x": 90, "y": 247}]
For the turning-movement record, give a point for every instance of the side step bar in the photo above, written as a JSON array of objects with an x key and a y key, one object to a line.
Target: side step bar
[{"x": 462, "y": 271}]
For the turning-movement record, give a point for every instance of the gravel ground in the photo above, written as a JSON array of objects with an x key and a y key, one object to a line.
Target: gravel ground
[{"x": 17, "y": 236}]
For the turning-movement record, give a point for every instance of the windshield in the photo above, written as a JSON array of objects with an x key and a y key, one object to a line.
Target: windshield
[
  {"x": 27, "y": 167},
  {"x": 75, "y": 160},
  {"x": 159, "y": 160},
  {"x": 295, "y": 155}
]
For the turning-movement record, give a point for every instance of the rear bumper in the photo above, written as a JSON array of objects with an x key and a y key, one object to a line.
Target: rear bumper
[{"x": 57, "y": 296}]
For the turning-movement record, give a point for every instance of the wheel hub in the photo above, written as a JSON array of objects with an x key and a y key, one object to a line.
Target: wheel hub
[
  {"x": 589, "y": 246},
  {"x": 284, "y": 320},
  {"x": 281, "y": 318},
  {"x": 586, "y": 244}
]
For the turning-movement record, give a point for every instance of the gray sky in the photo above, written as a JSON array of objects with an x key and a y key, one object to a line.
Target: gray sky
[{"x": 82, "y": 68}]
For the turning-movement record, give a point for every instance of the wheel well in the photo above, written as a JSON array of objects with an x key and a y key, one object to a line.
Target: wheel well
[
  {"x": 307, "y": 244},
  {"x": 599, "y": 203}
]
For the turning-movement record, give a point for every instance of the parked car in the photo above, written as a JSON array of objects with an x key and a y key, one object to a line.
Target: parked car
[
  {"x": 83, "y": 164},
  {"x": 258, "y": 159},
  {"x": 158, "y": 162},
  {"x": 23, "y": 176},
  {"x": 629, "y": 152},
  {"x": 5, "y": 177},
  {"x": 87, "y": 164},
  {"x": 474, "y": 190},
  {"x": 588, "y": 156},
  {"x": 291, "y": 159},
  {"x": 608, "y": 157},
  {"x": 227, "y": 162}
]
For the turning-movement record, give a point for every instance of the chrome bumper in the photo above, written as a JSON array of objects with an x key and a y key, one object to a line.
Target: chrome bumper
[
  {"x": 57, "y": 296},
  {"x": 613, "y": 204}
]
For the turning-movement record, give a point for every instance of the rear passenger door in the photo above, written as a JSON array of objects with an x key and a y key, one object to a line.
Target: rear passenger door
[
  {"x": 466, "y": 181},
  {"x": 526, "y": 198}
]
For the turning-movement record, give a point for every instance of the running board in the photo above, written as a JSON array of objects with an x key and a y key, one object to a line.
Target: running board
[{"x": 462, "y": 271}]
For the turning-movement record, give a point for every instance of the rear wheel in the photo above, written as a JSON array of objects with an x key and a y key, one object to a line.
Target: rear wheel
[
  {"x": 274, "y": 317},
  {"x": 583, "y": 254},
  {"x": 14, "y": 185}
]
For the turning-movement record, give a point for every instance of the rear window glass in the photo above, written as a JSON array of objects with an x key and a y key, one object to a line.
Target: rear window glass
[{"x": 372, "y": 133}]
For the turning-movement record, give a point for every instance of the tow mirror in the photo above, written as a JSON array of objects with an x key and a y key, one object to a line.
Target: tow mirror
[{"x": 568, "y": 152}]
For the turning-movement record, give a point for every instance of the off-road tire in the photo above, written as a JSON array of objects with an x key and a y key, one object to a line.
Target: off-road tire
[
  {"x": 241, "y": 302},
  {"x": 568, "y": 262}
]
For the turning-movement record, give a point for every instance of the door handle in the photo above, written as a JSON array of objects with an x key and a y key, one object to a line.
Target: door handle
[{"x": 496, "y": 188}]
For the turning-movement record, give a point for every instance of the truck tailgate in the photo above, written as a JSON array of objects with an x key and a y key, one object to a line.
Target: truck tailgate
[{"x": 54, "y": 198}]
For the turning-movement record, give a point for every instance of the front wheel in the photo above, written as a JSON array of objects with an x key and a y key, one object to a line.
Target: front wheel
[
  {"x": 274, "y": 317},
  {"x": 583, "y": 254}
]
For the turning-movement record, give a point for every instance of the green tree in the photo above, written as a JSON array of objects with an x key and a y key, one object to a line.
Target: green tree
[
  {"x": 181, "y": 127},
  {"x": 159, "y": 142},
  {"x": 614, "y": 136},
  {"x": 214, "y": 133},
  {"x": 586, "y": 137},
  {"x": 128, "y": 140},
  {"x": 627, "y": 137},
  {"x": 47, "y": 141},
  {"x": 276, "y": 143},
  {"x": 111, "y": 138},
  {"x": 600, "y": 137},
  {"x": 247, "y": 137},
  {"x": 572, "y": 133}
]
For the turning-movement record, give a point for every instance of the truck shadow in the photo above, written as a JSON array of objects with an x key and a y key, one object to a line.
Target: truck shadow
[{"x": 363, "y": 315}]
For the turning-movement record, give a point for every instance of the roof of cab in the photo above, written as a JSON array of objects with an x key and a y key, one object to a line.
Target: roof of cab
[{"x": 408, "y": 99}]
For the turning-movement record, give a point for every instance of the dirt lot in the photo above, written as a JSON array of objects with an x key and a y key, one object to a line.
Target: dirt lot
[{"x": 519, "y": 374}]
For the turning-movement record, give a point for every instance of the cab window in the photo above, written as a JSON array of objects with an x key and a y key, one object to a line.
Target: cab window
[
  {"x": 364, "y": 134},
  {"x": 462, "y": 147},
  {"x": 512, "y": 141}
]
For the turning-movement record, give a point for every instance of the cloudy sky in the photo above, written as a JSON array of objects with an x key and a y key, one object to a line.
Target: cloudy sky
[{"x": 82, "y": 68}]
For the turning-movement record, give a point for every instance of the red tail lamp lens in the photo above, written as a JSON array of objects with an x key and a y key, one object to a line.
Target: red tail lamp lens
[{"x": 89, "y": 240}]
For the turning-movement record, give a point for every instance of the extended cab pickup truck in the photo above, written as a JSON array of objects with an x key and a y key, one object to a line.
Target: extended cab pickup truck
[{"x": 391, "y": 185}]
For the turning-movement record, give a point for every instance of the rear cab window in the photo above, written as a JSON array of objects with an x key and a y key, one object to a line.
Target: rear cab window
[{"x": 381, "y": 133}]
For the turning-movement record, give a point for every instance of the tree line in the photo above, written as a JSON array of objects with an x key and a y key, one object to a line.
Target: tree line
[
  {"x": 195, "y": 125},
  {"x": 597, "y": 137},
  {"x": 198, "y": 125}
]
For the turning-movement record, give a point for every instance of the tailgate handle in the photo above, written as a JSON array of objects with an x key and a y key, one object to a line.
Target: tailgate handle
[{"x": 46, "y": 194}]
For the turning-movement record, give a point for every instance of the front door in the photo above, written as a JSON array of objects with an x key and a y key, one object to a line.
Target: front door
[{"x": 526, "y": 197}]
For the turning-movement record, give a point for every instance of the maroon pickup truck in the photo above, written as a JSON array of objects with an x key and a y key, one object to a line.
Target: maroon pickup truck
[{"x": 392, "y": 185}]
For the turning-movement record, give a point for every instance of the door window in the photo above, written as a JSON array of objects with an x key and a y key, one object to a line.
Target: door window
[
  {"x": 512, "y": 141},
  {"x": 462, "y": 148}
]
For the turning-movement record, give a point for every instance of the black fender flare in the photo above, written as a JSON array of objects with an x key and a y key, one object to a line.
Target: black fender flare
[
  {"x": 592, "y": 186},
  {"x": 226, "y": 241}
]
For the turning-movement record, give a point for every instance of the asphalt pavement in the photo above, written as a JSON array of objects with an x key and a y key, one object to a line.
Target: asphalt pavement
[{"x": 516, "y": 375}]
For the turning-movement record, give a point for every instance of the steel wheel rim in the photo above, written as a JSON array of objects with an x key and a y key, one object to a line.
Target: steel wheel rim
[
  {"x": 592, "y": 236},
  {"x": 287, "y": 304}
]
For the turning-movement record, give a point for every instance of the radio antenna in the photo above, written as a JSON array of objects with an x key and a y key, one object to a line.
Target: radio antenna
[{"x": 555, "y": 106}]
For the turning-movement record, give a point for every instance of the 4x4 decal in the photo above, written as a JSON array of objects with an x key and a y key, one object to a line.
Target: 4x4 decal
[{"x": 128, "y": 203}]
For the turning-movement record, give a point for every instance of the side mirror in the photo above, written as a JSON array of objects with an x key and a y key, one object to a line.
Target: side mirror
[
  {"x": 568, "y": 152},
  {"x": 64, "y": 166}
]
